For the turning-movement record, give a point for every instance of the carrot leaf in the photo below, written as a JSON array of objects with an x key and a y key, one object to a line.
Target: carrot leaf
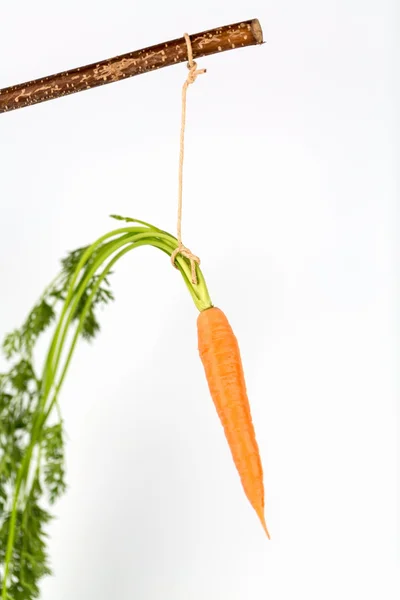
[
  {"x": 54, "y": 472},
  {"x": 32, "y": 438},
  {"x": 131, "y": 220},
  {"x": 20, "y": 398}
]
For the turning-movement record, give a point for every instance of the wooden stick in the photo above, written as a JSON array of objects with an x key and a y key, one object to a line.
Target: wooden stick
[{"x": 247, "y": 33}]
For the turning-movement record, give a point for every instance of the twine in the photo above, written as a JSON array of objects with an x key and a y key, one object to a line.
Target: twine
[{"x": 191, "y": 78}]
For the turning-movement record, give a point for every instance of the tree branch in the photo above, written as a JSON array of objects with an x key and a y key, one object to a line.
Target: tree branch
[{"x": 229, "y": 37}]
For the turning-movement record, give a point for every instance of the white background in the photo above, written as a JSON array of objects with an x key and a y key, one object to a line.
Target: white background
[{"x": 289, "y": 201}]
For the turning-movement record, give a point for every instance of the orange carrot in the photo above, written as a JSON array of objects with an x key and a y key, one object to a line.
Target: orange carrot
[{"x": 220, "y": 355}]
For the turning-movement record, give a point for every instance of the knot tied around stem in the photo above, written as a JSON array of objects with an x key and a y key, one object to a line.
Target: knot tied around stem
[{"x": 183, "y": 251}]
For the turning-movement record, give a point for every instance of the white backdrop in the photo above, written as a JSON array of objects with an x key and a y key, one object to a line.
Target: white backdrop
[{"x": 289, "y": 201}]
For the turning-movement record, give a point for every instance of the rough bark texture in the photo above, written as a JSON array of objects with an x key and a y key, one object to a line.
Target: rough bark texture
[{"x": 229, "y": 37}]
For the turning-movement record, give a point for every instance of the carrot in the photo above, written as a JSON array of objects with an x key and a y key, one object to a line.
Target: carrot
[{"x": 220, "y": 355}]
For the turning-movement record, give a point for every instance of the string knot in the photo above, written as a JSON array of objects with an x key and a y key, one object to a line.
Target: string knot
[
  {"x": 183, "y": 251},
  {"x": 191, "y": 65},
  {"x": 193, "y": 72}
]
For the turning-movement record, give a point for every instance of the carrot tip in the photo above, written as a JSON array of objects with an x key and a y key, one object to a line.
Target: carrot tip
[
  {"x": 266, "y": 531},
  {"x": 263, "y": 523}
]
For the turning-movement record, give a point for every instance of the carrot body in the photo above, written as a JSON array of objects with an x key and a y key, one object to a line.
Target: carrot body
[{"x": 220, "y": 355}]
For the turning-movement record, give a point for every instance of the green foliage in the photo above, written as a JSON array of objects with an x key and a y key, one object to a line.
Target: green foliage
[
  {"x": 22, "y": 341},
  {"x": 32, "y": 471},
  {"x": 71, "y": 261},
  {"x": 12, "y": 343},
  {"x": 125, "y": 219},
  {"x": 54, "y": 473},
  {"x": 21, "y": 375},
  {"x": 29, "y": 558},
  {"x": 20, "y": 398},
  {"x": 102, "y": 296},
  {"x": 131, "y": 220},
  {"x": 37, "y": 322}
]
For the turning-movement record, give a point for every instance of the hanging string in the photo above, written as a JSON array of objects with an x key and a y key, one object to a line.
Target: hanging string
[{"x": 191, "y": 78}]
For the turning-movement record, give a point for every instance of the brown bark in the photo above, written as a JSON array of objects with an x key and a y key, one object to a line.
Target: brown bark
[{"x": 229, "y": 37}]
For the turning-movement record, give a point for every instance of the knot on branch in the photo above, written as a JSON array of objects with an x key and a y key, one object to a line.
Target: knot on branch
[{"x": 194, "y": 72}]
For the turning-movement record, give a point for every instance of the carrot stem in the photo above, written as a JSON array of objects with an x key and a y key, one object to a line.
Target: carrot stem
[{"x": 117, "y": 242}]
